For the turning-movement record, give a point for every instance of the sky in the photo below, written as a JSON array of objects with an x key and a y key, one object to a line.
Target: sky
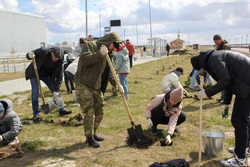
[{"x": 197, "y": 21}]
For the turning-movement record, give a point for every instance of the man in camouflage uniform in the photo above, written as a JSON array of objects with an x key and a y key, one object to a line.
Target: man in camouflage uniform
[
  {"x": 221, "y": 44},
  {"x": 91, "y": 82}
]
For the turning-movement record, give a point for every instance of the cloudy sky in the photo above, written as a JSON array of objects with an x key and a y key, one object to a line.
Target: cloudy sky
[{"x": 196, "y": 20}]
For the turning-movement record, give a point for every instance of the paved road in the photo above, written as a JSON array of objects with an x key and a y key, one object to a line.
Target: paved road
[{"x": 21, "y": 85}]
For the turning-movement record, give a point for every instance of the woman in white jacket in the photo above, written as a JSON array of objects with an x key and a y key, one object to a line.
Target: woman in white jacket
[{"x": 171, "y": 81}]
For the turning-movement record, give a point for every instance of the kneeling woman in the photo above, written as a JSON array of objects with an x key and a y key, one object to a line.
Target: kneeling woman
[{"x": 166, "y": 109}]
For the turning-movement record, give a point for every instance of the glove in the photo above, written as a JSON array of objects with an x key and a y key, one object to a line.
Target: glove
[
  {"x": 185, "y": 93},
  {"x": 1, "y": 138},
  {"x": 103, "y": 50},
  {"x": 120, "y": 89},
  {"x": 150, "y": 123},
  {"x": 168, "y": 139},
  {"x": 31, "y": 55},
  {"x": 225, "y": 110},
  {"x": 201, "y": 94},
  {"x": 55, "y": 94}
]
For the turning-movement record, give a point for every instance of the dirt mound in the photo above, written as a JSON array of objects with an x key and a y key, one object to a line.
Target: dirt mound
[
  {"x": 180, "y": 52},
  {"x": 77, "y": 120},
  {"x": 14, "y": 151}
]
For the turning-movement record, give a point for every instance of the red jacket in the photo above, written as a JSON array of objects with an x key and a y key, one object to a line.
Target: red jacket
[{"x": 130, "y": 48}]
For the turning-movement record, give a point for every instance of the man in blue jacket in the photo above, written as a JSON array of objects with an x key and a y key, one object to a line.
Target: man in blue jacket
[{"x": 231, "y": 71}]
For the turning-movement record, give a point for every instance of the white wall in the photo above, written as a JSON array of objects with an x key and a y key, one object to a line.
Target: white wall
[{"x": 23, "y": 32}]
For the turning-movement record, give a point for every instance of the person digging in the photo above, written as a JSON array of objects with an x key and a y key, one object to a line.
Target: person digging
[
  {"x": 91, "y": 82},
  {"x": 166, "y": 109}
]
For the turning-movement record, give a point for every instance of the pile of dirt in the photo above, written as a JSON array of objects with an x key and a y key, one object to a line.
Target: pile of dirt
[
  {"x": 77, "y": 120},
  {"x": 14, "y": 151},
  {"x": 180, "y": 52}
]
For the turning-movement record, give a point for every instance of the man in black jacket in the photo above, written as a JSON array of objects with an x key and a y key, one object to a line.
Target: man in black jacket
[
  {"x": 231, "y": 71},
  {"x": 49, "y": 65}
]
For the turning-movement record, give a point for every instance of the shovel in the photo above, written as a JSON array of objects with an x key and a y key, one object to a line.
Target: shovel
[
  {"x": 135, "y": 132},
  {"x": 44, "y": 107}
]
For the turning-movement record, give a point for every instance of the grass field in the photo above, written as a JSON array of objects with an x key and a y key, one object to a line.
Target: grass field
[{"x": 65, "y": 145}]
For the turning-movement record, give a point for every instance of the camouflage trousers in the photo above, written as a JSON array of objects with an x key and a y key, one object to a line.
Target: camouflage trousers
[{"x": 91, "y": 103}]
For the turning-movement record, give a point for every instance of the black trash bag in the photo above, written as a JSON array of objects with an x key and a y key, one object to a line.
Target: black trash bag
[{"x": 172, "y": 163}]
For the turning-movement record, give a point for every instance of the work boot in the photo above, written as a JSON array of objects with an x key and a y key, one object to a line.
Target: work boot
[
  {"x": 114, "y": 91},
  {"x": 64, "y": 112},
  {"x": 98, "y": 138},
  {"x": 92, "y": 143},
  {"x": 36, "y": 119},
  {"x": 153, "y": 130}
]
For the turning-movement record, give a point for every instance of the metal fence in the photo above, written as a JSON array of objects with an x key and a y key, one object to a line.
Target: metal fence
[{"x": 13, "y": 64}]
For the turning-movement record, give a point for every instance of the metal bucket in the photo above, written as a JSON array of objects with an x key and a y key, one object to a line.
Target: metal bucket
[
  {"x": 213, "y": 143},
  {"x": 55, "y": 104}
]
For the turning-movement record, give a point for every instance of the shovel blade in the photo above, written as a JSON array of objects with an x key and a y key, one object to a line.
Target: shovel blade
[
  {"x": 135, "y": 132},
  {"x": 45, "y": 109}
]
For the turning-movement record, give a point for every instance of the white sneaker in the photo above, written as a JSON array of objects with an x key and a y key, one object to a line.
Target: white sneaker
[
  {"x": 231, "y": 150},
  {"x": 234, "y": 162},
  {"x": 14, "y": 142}
]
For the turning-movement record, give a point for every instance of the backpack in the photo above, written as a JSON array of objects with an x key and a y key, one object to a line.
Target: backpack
[{"x": 172, "y": 163}]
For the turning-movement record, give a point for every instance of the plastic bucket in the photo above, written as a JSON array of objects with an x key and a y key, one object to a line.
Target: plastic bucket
[
  {"x": 55, "y": 104},
  {"x": 213, "y": 143}
]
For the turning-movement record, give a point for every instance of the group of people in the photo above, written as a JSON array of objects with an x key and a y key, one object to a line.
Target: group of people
[{"x": 228, "y": 68}]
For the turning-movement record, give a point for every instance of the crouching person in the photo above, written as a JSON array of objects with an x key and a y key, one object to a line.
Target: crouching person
[
  {"x": 10, "y": 124},
  {"x": 166, "y": 109}
]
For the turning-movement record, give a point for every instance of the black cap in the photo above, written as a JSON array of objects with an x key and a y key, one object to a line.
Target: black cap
[
  {"x": 180, "y": 69},
  {"x": 58, "y": 52},
  {"x": 117, "y": 45},
  {"x": 217, "y": 37},
  {"x": 195, "y": 62}
]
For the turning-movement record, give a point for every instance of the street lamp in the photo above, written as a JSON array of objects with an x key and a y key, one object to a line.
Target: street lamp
[
  {"x": 100, "y": 5},
  {"x": 137, "y": 35}
]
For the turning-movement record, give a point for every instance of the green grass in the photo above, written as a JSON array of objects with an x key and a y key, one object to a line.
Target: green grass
[{"x": 62, "y": 145}]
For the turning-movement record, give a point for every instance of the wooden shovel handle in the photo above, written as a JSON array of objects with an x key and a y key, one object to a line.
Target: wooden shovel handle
[
  {"x": 38, "y": 79},
  {"x": 118, "y": 84},
  {"x": 200, "y": 129}
]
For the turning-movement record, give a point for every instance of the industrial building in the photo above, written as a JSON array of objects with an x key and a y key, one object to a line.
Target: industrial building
[{"x": 21, "y": 33}]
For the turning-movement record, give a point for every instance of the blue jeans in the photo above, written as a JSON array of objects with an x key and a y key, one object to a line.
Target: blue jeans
[
  {"x": 35, "y": 92},
  {"x": 195, "y": 74},
  {"x": 123, "y": 78}
]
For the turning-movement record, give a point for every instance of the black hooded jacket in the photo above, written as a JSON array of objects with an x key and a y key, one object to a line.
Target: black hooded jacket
[
  {"x": 231, "y": 71},
  {"x": 41, "y": 55}
]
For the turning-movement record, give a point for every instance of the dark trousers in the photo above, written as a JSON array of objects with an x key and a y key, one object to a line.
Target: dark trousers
[
  {"x": 67, "y": 79},
  {"x": 158, "y": 117},
  {"x": 131, "y": 60},
  {"x": 240, "y": 122}
]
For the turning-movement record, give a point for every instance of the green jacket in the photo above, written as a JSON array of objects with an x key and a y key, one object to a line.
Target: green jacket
[
  {"x": 93, "y": 69},
  {"x": 223, "y": 46}
]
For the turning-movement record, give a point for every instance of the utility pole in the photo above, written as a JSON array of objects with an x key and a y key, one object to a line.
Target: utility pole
[
  {"x": 100, "y": 24},
  {"x": 86, "y": 13},
  {"x": 137, "y": 35},
  {"x": 150, "y": 25}
]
